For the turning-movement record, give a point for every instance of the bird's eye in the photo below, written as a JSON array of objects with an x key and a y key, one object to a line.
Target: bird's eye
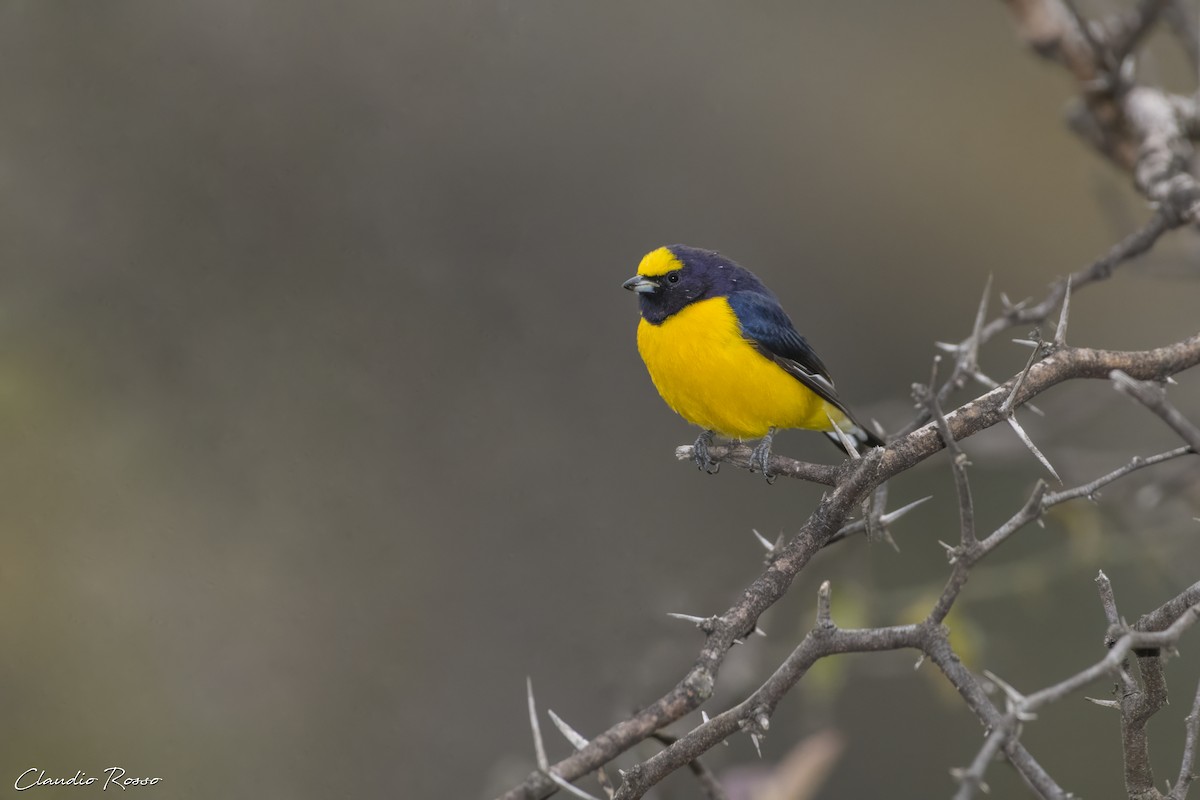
[{"x": 673, "y": 277}]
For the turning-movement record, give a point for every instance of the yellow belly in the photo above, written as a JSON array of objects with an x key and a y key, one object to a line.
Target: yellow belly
[{"x": 714, "y": 378}]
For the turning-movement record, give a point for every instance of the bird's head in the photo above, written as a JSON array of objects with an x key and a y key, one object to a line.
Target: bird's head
[{"x": 671, "y": 278}]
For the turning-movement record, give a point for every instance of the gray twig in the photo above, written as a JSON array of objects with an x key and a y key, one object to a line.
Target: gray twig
[
  {"x": 1154, "y": 398},
  {"x": 710, "y": 787},
  {"x": 1186, "y": 763}
]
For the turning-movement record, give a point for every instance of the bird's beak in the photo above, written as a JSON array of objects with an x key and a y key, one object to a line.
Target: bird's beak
[{"x": 640, "y": 284}]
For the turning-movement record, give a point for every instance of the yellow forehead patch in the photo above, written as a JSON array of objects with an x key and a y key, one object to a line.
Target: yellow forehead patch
[{"x": 659, "y": 262}]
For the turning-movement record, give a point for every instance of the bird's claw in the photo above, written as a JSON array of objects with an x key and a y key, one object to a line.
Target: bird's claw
[
  {"x": 760, "y": 457},
  {"x": 701, "y": 456}
]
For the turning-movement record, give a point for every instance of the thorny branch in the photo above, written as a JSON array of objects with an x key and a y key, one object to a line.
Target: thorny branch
[
  {"x": 856, "y": 480},
  {"x": 1144, "y": 131}
]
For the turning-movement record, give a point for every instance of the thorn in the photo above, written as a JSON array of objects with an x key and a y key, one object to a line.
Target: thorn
[
  {"x": 980, "y": 316},
  {"x": 766, "y": 543},
  {"x": 846, "y": 441},
  {"x": 698, "y": 621},
  {"x": 1016, "y": 426},
  {"x": 990, "y": 383},
  {"x": 1007, "y": 407},
  {"x": 570, "y": 734},
  {"x": 571, "y": 788},
  {"x": 891, "y": 540},
  {"x": 1103, "y": 703},
  {"x": 1171, "y": 381},
  {"x": 920, "y": 661},
  {"x": 946, "y": 346},
  {"x": 1015, "y": 699},
  {"x": 1027, "y": 342},
  {"x": 892, "y": 516},
  {"x": 754, "y": 738},
  {"x": 760, "y": 631},
  {"x": 951, "y": 551},
  {"x": 538, "y": 746},
  {"x": 1004, "y": 685},
  {"x": 984, "y": 379},
  {"x": 1009, "y": 305},
  {"x": 1060, "y": 334}
]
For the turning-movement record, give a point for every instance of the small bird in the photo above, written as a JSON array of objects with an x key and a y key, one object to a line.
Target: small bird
[{"x": 725, "y": 356}]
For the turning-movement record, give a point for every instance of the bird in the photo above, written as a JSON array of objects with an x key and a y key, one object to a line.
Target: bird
[{"x": 725, "y": 356}]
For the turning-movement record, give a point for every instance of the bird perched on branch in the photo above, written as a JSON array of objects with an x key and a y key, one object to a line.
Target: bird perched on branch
[{"x": 725, "y": 356}]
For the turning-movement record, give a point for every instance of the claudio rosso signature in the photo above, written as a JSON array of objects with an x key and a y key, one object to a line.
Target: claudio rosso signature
[{"x": 114, "y": 777}]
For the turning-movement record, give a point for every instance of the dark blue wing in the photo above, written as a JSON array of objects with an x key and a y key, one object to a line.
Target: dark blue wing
[{"x": 766, "y": 325}]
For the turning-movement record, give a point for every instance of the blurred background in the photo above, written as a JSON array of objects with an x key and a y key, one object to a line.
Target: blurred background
[{"x": 322, "y": 424}]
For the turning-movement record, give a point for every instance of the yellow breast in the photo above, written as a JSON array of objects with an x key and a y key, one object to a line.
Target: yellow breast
[{"x": 714, "y": 378}]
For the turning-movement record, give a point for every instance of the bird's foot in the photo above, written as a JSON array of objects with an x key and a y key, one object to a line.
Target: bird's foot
[
  {"x": 701, "y": 456},
  {"x": 760, "y": 458}
]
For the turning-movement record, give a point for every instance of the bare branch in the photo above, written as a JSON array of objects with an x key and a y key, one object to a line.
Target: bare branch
[
  {"x": 1131, "y": 29},
  {"x": 1186, "y": 775},
  {"x": 958, "y": 463},
  {"x": 751, "y": 713},
  {"x": 855, "y": 480},
  {"x": 1154, "y": 398},
  {"x": 1022, "y": 707},
  {"x": 1146, "y": 132},
  {"x": 1108, "y": 600},
  {"x": 1181, "y": 17},
  {"x": 1024, "y": 313},
  {"x": 1130, "y": 247},
  {"x": 1093, "y": 488},
  {"x": 738, "y": 455},
  {"x": 1133, "y": 126},
  {"x": 1168, "y": 612},
  {"x": 570, "y": 788},
  {"x": 1111, "y": 663},
  {"x": 860, "y": 526},
  {"x": 710, "y": 787},
  {"x": 971, "y": 779}
]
